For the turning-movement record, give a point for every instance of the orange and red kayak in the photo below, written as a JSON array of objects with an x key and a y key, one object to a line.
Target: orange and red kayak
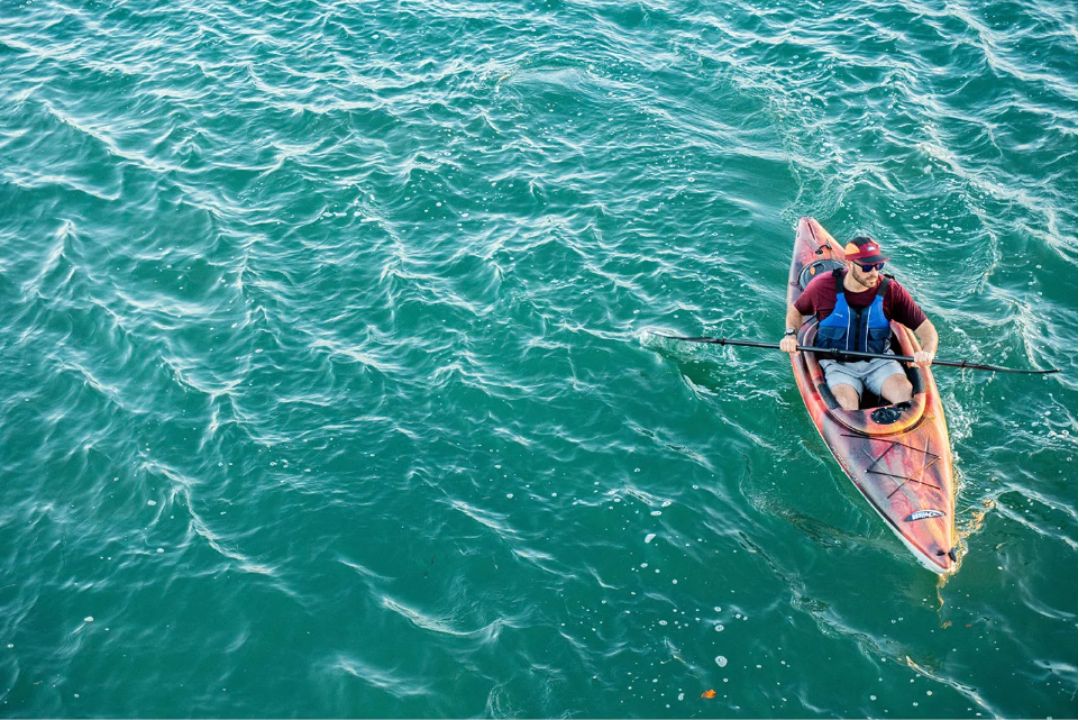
[{"x": 898, "y": 456}]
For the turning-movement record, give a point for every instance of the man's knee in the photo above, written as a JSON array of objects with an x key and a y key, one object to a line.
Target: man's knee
[
  {"x": 896, "y": 388},
  {"x": 847, "y": 396}
]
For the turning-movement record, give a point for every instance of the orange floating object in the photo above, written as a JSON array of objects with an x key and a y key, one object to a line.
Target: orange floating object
[{"x": 709, "y": 694}]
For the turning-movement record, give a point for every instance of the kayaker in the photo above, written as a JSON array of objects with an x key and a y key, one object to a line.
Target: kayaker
[{"x": 858, "y": 320}]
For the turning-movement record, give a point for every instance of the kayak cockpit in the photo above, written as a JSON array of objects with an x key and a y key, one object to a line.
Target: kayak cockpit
[{"x": 875, "y": 416}]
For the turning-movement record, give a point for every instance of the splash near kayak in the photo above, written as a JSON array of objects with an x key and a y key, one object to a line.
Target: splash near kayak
[{"x": 897, "y": 455}]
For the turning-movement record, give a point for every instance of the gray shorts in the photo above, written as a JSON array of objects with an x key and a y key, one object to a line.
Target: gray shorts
[{"x": 865, "y": 374}]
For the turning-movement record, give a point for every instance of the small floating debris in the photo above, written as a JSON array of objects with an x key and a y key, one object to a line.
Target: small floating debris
[{"x": 708, "y": 694}]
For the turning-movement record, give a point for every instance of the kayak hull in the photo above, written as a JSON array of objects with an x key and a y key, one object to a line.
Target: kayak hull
[{"x": 898, "y": 456}]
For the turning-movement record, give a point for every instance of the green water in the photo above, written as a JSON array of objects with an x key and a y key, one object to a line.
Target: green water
[{"x": 327, "y": 385}]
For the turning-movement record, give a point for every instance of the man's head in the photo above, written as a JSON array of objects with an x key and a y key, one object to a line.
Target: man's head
[{"x": 864, "y": 260}]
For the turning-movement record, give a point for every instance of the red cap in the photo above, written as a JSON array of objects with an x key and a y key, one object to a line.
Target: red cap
[{"x": 863, "y": 249}]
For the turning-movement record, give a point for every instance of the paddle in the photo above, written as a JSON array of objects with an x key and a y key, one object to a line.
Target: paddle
[{"x": 837, "y": 353}]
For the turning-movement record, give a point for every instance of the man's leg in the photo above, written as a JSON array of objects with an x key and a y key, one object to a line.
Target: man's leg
[
  {"x": 844, "y": 382},
  {"x": 847, "y": 396},
  {"x": 896, "y": 388}
]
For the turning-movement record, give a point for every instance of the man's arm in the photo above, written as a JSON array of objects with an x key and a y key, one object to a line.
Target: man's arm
[
  {"x": 927, "y": 336},
  {"x": 793, "y": 320},
  {"x": 904, "y": 310}
]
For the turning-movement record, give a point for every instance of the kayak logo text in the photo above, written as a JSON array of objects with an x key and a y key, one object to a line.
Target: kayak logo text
[{"x": 923, "y": 514}]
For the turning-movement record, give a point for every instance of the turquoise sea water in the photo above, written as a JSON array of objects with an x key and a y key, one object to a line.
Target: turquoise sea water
[{"x": 327, "y": 386}]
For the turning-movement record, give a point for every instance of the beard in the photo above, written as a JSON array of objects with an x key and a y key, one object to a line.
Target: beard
[{"x": 866, "y": 281}]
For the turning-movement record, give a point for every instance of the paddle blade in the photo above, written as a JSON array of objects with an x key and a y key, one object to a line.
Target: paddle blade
[{"x": 683, "y": 338}]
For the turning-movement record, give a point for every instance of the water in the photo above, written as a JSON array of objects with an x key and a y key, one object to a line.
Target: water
[{"x": 328, "y": 391}]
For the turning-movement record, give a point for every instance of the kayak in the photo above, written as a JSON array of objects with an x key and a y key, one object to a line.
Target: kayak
[{"x": 898, "y": 456}]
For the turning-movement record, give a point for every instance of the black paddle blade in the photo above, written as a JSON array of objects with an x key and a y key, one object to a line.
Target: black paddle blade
[{"x": 714, "y": 341}]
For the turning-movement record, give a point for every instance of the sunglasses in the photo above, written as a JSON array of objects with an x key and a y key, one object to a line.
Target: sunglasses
[{"x": 868, "y": 268}]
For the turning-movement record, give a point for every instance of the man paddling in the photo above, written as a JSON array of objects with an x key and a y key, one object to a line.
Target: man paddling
[{"x": 854, "y": 306}]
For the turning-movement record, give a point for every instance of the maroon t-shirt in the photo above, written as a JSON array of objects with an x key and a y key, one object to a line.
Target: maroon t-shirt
[{"x": 819, "y": 298}]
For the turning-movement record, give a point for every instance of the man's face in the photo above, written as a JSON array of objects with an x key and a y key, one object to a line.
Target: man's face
[{"x": 867, "y": 278}]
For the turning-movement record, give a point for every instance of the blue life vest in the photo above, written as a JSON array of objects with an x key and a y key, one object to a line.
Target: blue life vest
[{"x": 863, "y": 330}]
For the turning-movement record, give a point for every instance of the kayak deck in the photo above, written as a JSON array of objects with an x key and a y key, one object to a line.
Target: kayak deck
[{"x": 898, "y": 456}]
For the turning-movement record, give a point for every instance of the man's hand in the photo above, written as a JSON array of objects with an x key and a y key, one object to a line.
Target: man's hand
[
  {"x": 928, "y": 340},
  {"x": 792, "y": 319}
]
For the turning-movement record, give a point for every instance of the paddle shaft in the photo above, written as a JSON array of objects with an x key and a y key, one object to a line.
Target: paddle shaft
[{"x": 855, "y": 354}]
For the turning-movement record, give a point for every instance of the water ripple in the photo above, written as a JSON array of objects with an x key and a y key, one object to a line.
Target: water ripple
[{"x": 327, "y": 347}]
